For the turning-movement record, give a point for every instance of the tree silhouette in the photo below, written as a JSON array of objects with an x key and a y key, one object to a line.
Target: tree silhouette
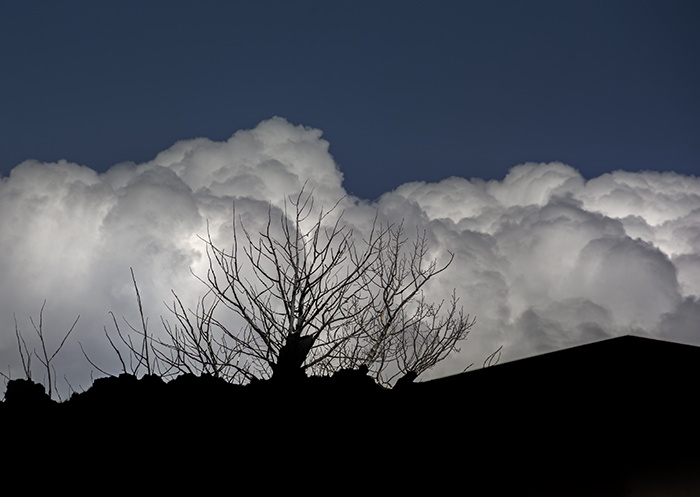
[
  {"x": 314, "y": 299},
  {"x": 26, "y": 355}
]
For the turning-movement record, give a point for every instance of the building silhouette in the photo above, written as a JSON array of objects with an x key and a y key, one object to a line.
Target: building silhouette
[{"x": 614, "y": 417}]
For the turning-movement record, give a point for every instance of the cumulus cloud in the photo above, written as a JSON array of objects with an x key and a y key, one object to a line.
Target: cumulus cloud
[{"x": 544, "y": 258}]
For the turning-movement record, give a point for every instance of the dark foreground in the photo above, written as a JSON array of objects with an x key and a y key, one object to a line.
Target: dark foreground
[{"x": 613, "y": 418}]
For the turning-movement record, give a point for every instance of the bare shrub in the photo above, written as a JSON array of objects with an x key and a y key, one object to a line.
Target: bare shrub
[{"x": 316, "y": 299}]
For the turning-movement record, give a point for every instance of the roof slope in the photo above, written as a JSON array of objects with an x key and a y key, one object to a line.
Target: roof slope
[{"x": 615, "y": 403}]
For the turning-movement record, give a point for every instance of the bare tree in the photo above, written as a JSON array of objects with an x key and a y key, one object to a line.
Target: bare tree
[
  {"x": 400, "y": 333},
  {"x": 44, "y": 357},
  {"x": 314, "y": 298},
  {"x": 144, "y": 354}
]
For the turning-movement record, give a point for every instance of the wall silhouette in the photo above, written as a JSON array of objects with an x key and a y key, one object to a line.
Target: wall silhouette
[{"x": 616, "y": 417}]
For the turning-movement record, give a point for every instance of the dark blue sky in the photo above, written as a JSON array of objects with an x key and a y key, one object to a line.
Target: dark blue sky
[{"x": 403, "y": 91}]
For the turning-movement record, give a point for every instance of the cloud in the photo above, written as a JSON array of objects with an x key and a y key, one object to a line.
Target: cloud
[{"x": 543, "y": 258}]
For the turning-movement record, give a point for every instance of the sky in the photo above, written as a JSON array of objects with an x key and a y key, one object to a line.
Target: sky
[{"x": 552, "y": 146}]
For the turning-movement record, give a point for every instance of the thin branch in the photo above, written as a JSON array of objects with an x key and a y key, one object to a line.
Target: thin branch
[{"x": 46, "y": 360}]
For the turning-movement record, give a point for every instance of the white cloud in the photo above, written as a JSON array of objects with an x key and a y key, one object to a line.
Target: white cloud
[{"x": 543, "y": 258}]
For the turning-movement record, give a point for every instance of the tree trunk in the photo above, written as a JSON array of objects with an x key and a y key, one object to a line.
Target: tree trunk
[{"x": 291, "y": 358}]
